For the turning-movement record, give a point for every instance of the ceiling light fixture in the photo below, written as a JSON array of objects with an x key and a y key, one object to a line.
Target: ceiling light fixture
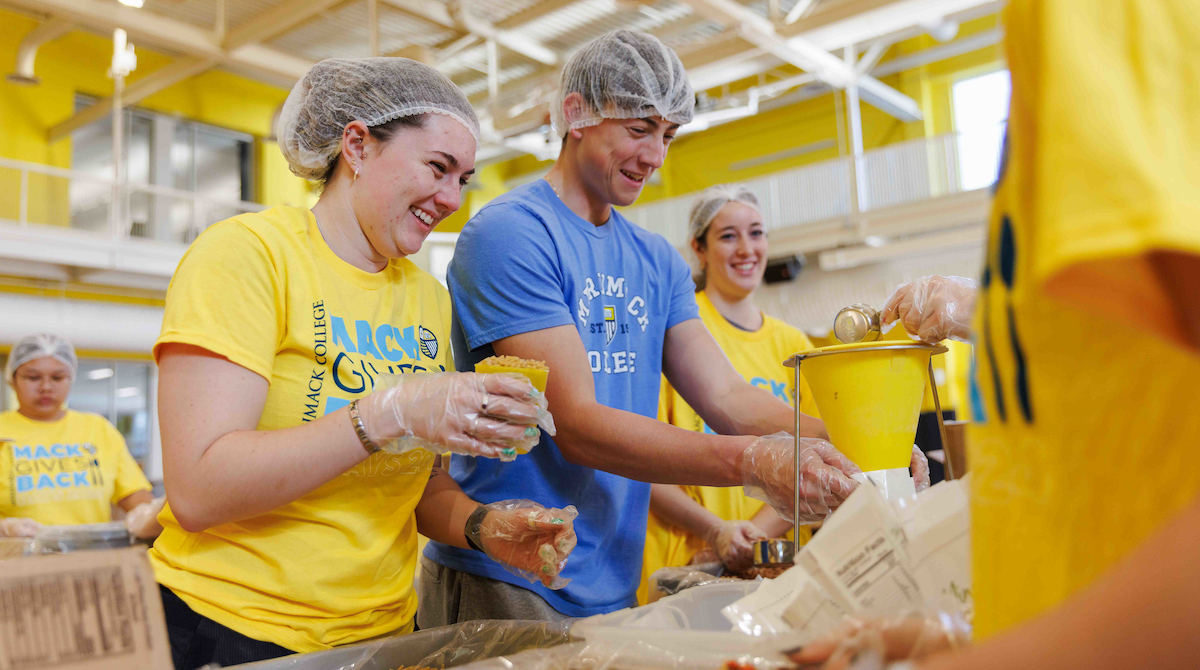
[{"x": 100, "y": 373}]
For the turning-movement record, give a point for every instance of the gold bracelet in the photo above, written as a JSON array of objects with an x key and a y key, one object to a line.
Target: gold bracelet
[{"x": 359, "y": 428}]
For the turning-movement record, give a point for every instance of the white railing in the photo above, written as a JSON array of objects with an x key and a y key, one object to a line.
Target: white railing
[
  {"x": 893, "y": 175},
  {"x": 32, "y": 194},
  {"x": 838, "y": 189}
]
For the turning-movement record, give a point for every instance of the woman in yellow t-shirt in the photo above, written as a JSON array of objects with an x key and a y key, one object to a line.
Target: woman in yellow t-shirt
[
  {"x": 61, "y": 466},
  {"x": 695, "y": 523},
  {"x": 1085, "y": 481},
  {"x": 287, "y": 529}
]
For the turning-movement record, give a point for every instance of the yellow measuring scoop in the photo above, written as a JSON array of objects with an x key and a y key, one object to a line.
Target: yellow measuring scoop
[{"x": 536, "y": 375}]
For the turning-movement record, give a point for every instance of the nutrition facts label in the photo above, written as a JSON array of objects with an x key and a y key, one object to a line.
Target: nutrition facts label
[
  {"x": 875, "y": 576},
  {"x": 63, "y": 619}
]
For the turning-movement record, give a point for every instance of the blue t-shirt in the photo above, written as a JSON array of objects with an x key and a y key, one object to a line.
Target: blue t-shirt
[{"x": 523, "y": 263}]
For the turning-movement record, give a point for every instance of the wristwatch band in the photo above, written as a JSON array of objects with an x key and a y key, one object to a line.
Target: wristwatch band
[
  {"x": 474, "y": 527},
  {"x": 361, "y": 430}
]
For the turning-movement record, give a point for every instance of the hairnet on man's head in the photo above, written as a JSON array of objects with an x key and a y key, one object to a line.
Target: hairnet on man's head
[
  {"x": 336, "y": 91},
  {"x": 710, "y": 203},
  {"x": 623, "y": 75},
  {"x": 39, "y": 346}
]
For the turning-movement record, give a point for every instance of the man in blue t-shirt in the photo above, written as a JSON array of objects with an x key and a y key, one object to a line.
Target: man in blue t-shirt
[{"x": 550, "y": 271}]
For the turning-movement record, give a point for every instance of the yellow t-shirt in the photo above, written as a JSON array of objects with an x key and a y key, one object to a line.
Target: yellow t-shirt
[
  {"x": 69, "y": 471},
  {"x": 1089, "y": 421},
  {"x": 758, "y": 356},
  {"x": 335, "y": 566}
]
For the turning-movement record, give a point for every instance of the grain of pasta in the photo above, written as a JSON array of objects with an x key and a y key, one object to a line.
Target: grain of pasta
[{"x": 514, "y": 362}]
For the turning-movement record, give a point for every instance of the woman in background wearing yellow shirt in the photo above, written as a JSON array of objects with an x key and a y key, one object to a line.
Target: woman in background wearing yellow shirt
[
  {"x": 695, "y": 523},
  {"x": 286, "y": 529},
  {"x": 61, "y": 466}
]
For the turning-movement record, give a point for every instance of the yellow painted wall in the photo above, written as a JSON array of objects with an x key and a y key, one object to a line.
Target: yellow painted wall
[{"x": 77, "y": 63}]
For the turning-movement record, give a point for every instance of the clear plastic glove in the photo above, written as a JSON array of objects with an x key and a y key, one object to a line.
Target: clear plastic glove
[
  {"x": 768, "y": 472},
  {"x": 492, "y": 415},
  {"x": 15, "y": 526},
  {"x": 733, "y": 541},
  {"x": 863, "y": 645},
  {"x": 920, "y": 469},
  {"x": 529, "y": 540},
  {"x": 142, "y": 521},
  {"x": 933, "y": 308}
]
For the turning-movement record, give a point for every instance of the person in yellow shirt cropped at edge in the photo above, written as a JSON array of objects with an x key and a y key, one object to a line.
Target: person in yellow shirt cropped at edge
[
  {"x": 692, "y": 524},
  {"x": 286, "y": 528},
  {"x": 62, "y": 467},
  {"x": 1087, "y": 320}
]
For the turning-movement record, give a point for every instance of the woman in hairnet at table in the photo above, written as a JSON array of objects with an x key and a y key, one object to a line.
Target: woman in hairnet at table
[
  {"x": 294, "y": 501},
  {"x": 59, "y": 466}
]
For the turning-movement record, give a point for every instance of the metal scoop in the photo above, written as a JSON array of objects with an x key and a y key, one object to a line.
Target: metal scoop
[
  {"x": 774, "y": 552},
  {"x": 777, "y": 551}
]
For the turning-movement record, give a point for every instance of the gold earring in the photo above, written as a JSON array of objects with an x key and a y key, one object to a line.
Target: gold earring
[{"x": 355, "y": 178}]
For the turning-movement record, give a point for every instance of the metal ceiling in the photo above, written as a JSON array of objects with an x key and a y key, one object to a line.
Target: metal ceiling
[{"x": 725, "y": 39}]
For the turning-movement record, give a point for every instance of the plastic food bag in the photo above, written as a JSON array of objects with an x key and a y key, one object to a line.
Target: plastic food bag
[
  {"x": 937, "y": 524},
  {"x": 859, "y": 558},
  {"x": 646, "y": 654},
  {"x": 82, "y": 537},
  {"x": 436, "y": 648},
  {"x": 669, "y": 581},
  {"x": 794, "y": 601}
]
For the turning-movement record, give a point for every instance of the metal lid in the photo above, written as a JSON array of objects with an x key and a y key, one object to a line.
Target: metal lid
[{"x": 857, "y": 323}]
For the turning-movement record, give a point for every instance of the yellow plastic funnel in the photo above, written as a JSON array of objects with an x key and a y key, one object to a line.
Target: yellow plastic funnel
[{"x": 869, "y": 395}]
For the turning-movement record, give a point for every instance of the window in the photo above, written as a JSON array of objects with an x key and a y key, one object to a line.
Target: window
[
  {"x": 160, "y": 150},
  {"x": 120, "y": 392},
  {"x": 980, "y": 113}
]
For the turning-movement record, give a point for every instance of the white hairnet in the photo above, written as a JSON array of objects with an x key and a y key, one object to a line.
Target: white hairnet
[
  {"x": 37, "y": 346},
  {"x": 337, "y": 91},
  {"x": 710, "y": 202},
  {"x": 624, "y": 75}
]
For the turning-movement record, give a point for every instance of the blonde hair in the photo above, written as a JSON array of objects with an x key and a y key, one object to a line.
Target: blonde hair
[{"x": 705, "y": 209}]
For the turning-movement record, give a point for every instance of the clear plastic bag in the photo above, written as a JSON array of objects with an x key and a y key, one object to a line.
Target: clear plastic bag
[
  {"x": 646, "y": 654},
  {"x": 82, "y": 537},
  {"x": 669, "y": 581},
  {"x": 443, "y": 647}
]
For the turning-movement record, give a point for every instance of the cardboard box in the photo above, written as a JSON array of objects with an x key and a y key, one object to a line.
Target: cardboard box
[{"x": 90, "y": 610}]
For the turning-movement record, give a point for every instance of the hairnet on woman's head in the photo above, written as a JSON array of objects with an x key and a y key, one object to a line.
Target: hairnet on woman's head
[
  {"x": 337, "y": 91},
  {"x": 710, "y": 203},
  {"x": 623, "y": 75},
  {"x": 38, "y": 346}
]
